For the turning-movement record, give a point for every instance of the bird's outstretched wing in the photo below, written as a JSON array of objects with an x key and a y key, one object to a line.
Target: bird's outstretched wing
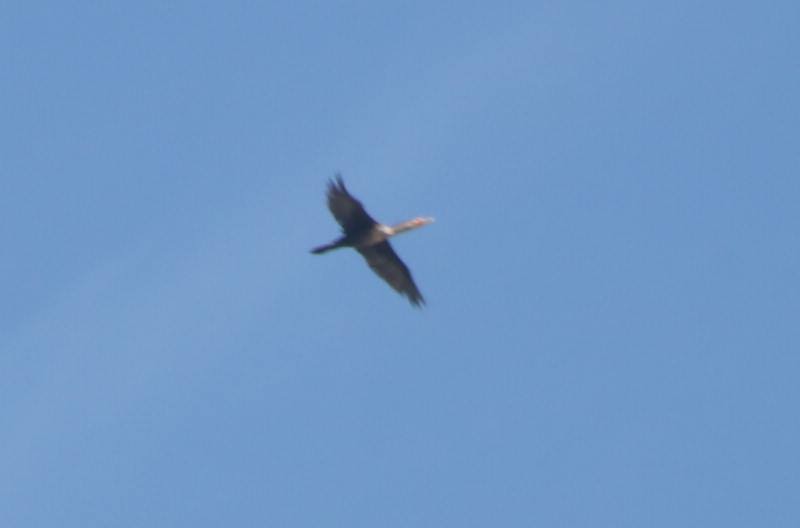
[
  {"x": 385, "y": 262},
  {"x": 346, "y": 209}
]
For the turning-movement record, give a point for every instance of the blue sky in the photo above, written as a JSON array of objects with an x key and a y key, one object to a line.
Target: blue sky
[{"x": 613, "y": 284}]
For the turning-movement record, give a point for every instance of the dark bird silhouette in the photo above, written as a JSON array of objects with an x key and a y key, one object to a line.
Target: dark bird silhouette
[{"x": 371, "y": 239}]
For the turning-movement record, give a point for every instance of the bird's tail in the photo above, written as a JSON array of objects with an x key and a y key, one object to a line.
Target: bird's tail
[{"x": 325, "y": 247}]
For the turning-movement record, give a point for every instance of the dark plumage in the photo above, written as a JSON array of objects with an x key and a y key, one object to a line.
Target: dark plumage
[{"x": 371, "y": 239}]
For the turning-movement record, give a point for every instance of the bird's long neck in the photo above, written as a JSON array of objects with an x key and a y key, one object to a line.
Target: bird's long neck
[{"x": 402, "y": 227}]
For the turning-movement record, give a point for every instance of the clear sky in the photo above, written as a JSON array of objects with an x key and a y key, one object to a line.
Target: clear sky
[{"x": 613, "y": 281}]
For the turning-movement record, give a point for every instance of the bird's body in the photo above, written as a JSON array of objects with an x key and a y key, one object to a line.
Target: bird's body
[{"x": 371, "y": 239}]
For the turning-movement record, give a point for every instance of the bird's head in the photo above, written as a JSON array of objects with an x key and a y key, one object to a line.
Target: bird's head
[
  {"x": 421, "y": 221},
  {"x": 416, "y": 222}
]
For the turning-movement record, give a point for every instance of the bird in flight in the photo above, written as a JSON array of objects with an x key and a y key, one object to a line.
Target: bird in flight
[{"x": 370, "y": 238}]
